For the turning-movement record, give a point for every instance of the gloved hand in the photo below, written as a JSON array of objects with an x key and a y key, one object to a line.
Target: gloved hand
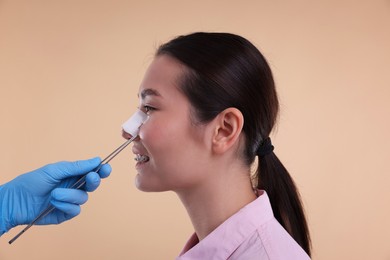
[{"x": 26, "y": 196}]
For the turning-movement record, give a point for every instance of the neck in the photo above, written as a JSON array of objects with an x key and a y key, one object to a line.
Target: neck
[{"x": 211, "y": 203}]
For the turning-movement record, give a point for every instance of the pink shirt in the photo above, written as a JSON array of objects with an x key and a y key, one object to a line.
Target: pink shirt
[{"x": 251, "y": 233}]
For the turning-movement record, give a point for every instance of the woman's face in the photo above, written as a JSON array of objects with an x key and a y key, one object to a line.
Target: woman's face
[{"x": 175, "y": 150}]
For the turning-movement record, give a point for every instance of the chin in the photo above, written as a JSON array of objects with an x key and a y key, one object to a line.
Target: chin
[{"x": 147, "y": 185}]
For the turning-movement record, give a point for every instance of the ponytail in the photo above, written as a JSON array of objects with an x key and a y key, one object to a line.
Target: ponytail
[{"x": 286, "y": 204}]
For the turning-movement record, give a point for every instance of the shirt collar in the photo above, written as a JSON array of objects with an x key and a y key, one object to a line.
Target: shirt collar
[{"x": 226, "y": 238}]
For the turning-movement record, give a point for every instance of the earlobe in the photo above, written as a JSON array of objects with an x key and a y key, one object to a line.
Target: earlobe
[{"x": 228, "y": 127}]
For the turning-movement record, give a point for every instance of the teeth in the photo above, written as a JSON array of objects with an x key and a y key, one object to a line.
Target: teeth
[{"x": 141, "y": 158}]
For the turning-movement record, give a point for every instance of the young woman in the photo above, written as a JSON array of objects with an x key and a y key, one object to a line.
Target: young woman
[{"x": 212, "y": 104}]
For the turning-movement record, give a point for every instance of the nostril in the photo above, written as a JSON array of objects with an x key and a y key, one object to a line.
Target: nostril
[
  {"x": 126, "y": 135},
  {"x": 136, "y": 139}
]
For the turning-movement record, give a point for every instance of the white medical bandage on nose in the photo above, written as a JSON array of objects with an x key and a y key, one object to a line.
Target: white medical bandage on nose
[{"x": 132, "y": 125}]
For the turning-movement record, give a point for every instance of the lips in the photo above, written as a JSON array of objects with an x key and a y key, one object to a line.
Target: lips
[{"x": 140, "y": 156}]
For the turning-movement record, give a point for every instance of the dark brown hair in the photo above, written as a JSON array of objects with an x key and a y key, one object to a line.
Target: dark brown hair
[{"x": 226, "y": 70}]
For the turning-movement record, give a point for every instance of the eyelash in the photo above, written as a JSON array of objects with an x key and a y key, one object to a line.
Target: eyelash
[{"x": 148, "y": 109}]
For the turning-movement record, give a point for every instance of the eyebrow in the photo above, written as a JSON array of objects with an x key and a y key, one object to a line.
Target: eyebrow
[{"x": 149, "y": 92}]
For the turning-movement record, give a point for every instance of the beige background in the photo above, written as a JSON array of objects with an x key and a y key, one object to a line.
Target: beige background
[{"x": 69, "y": 74}]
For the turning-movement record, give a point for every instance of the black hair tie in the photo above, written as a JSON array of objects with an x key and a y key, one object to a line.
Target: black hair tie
[{"x": 265, "y": 148}]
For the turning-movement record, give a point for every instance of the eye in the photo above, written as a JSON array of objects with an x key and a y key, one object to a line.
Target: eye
[{"x": 148, "y": 109}]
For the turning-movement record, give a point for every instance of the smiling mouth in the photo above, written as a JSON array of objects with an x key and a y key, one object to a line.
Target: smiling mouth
[{"x": 141, "y": 158}]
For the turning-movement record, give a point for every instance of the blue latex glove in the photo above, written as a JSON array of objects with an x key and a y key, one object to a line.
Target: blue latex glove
[{"x": 26, "y": 196}]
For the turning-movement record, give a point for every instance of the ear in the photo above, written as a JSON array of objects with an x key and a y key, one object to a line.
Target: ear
[{"x": 227, "y": 128}]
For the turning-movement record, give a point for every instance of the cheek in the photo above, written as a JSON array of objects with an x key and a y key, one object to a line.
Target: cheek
[
  {"x": 177, "y": 156},
  {"x": 154, "y": 131},
  {"x": 159, "y": 136}
]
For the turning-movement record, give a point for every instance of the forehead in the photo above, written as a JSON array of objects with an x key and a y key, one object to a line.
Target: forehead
[{"x": 162, "y": 75}]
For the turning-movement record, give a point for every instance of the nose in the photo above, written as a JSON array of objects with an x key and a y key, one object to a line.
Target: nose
[
  {"x": 128, "y": 136},
  {"x": 132, "y": 126}
]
